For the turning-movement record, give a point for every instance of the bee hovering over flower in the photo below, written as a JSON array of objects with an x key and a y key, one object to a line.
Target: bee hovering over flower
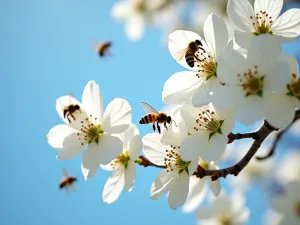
[
  {"x": 67, "y": 181},
  {"x": 154, "y": 116},
  {"x": 190, "y": 53},
  {"x": 70, "y": 109},
  {"x": 102, "y": 48}
]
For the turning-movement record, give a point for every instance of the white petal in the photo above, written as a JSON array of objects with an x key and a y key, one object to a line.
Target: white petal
[
  {"x": 196, "y": 194},
  {"x": 153, "y": 149},
  {"x": 213, "y": 149},
  {"x": 134, "y": 28},
  {"x": 135, "y": 147},
  {"x": 201, "y": 96},
  {"x": 280, "y": 204},
  {"x": 171, "y": 138},
  {"x": 278, "y": 77},
  {"x": 162, "y": 184},
  {"x": 121, "y": 10},
  {"x": 113, "y": 187},
  {"x": 264, "y": 53},
  {"x": 117, "y": 116},
  {"x": 216, "y": 34},
  {"x": 272, "y": 7},
  {"x": 180, "y": 87},
  {"x": 215, "y": 187},
  {"x": 128, "y": 135},
  {"x": 130, "y": 173},
  {"x": 230, "y": 64},
  {"x": 179, "y": 40},
  {"x": 288, "y": 24},
  {"x": 243, "y": 39},
  {"x": 252, "y": 110},
  {"x": 240, "y": 11},
  {"x": 227, "y": 97},
  {"x": 179, "y": 191},
  {"x": 109, "y": 148},
  {"x": 64, "y": 138},
  {"x": 189, "y": 148},
  {"x": 292, "y": 62},
  {"x": 282, "y": 116},
  {"x": 242, "y": 217}
]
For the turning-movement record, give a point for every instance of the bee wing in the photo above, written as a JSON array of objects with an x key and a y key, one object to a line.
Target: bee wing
[
  {"x": 180, "y": 54},
  {"x": 65, "y": 172},
  {"x": 148, "y": 109},
  {"x": 73, "y": 187}
]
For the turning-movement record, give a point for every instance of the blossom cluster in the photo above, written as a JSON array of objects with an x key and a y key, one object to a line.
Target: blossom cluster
[{"x": 243, "y": 79}]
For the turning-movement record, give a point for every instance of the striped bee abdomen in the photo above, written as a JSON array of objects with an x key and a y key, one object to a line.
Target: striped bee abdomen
[
  {"x": 150, "y": 118},
  {"x": 189, "y": 58}
]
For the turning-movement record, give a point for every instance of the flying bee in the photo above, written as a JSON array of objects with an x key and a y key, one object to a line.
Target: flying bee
[
  {"x": 155, "y": 117},
  {"x": 189, "y": 53},
  {"x": 102, "y": 48},
  {"x": 67, "y": 181},
  {"x": 70, "y": 109}
]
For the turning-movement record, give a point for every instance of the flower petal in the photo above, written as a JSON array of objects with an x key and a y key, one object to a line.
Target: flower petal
[
  {"x": 189, "y": 148},
  {"x": 162, "y": 184},
  {"x": 292, "y": 62},
  {"x": 239, "y": 12},
  {"x": 179, "y": 40},
  {"x": 117, "y": 116},
  {"x": 278, "y": 77},
  {"x": 126, "y": 136},
  {"x": 121, "y": 10},
  {"x": 253, "y": 104},
  {"x": 215, "y": 187},
  {"x": 113, "y": 187},
  {"x": 92, "y": 100},
  {"x": 180, "y": 87},
  {"x": 135, "y": 147},
  {"x": 243, "y": 39},
  {"x": 216, "y": 34},
  {"x": 201, "y": 96},
  {"x": 64, "y": 138},
  {"x": 134, "y": 28},
  {"x": 109, "y": 147},
  {"x": 196, "y": 194},
  {"x": 179, "y": 191},
  {"x": 288, "y": 24},
  {"x": 272, "y": 7},
  {"x": 153, "y": 149},
  {"x": 213, "y": 149},
  {"x": 130, "y": 173},
  {"x": 264, "y": 53}
]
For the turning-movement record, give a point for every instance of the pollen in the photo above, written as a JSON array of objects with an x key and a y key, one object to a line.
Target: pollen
[
  {"x": 89, "y": 131},
  {"x": 208, "y": 121},
  {"x": 225, "y": 219},
  {"x": 294, "y": 87},
  {"x": 140, "y": 6},
  {"x": 207, "y": 66},
  {"x": 121, "y": 160},
  {"x": 252, "y": 82},
  {"x": 262, "y": 23},
  {"x": 173, "y": 160}
]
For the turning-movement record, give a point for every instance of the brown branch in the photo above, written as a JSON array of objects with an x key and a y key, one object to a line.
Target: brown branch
[
  {"x": 146, "y": 162},
  {"x": 232, "y": 137},
  {"x": 278, "y": 138}
]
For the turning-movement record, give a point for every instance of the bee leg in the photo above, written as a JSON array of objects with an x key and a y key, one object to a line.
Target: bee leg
[
  {"x": 158, "y": 128},
  {"x": 73, "y": 117},
  {"x": 165, "y": 125},
  {"x": 153, "y": 126},
  {"x": 68, "y": 118},
  {"x": 202, "y": 49}
]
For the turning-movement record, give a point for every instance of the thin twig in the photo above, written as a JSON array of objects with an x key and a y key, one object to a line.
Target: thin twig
[
  {"x": 232, "y": 137},
  {"x": 146, "y": 162}
]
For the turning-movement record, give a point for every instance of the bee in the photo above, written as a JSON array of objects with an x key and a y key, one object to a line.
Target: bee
[
  {"x": 67, "y": 181},
  {"x": 102, "y": 47},
  {"x": 155, "y": 117},
  {"x": 70, "y": 109},
  {"x": 189, "y": 53}
]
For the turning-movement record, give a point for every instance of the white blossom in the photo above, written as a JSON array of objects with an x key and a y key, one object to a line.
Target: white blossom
[
  {"x": 123, "y": 166},
  {"x": 263, "y": 19},
  {"x": 91, "y": 128}
]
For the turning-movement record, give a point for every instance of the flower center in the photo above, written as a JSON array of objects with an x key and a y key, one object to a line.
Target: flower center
[
  {"x": 207, "y": 66},
  {"x": 89, "y": 131},
  {"x": 252, "y": 82},
  {"x": 140, "y": 6},
  {"x": 203, "y": 164},
  {"x": 225, "y": 219},
  {"x": 121, "y": 160},
  {"x": 294, "y": 87},
  {"x": 262, "y": 23},
  {"x": 174, "y": 161},
  {"x": 208, "y": 121}
]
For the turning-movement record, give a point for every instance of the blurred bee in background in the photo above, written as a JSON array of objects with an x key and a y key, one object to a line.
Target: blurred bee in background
[
  {"x": 67, "y": 181},
  {"x": 190, "y": 53},
  {"x": 102, "y": 48},
  {"x": 155, "y": 117},
  {"x": 70, "y": 109}
]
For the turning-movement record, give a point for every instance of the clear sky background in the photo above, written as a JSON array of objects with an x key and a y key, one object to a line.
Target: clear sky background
[{"x": 45, "y": 54}]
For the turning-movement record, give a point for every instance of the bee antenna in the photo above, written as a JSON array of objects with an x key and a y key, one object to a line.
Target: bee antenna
[{"x": 174, "y": 122}]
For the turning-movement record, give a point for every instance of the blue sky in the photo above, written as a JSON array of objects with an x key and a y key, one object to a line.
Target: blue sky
[{"x": 45, "y": 54}]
